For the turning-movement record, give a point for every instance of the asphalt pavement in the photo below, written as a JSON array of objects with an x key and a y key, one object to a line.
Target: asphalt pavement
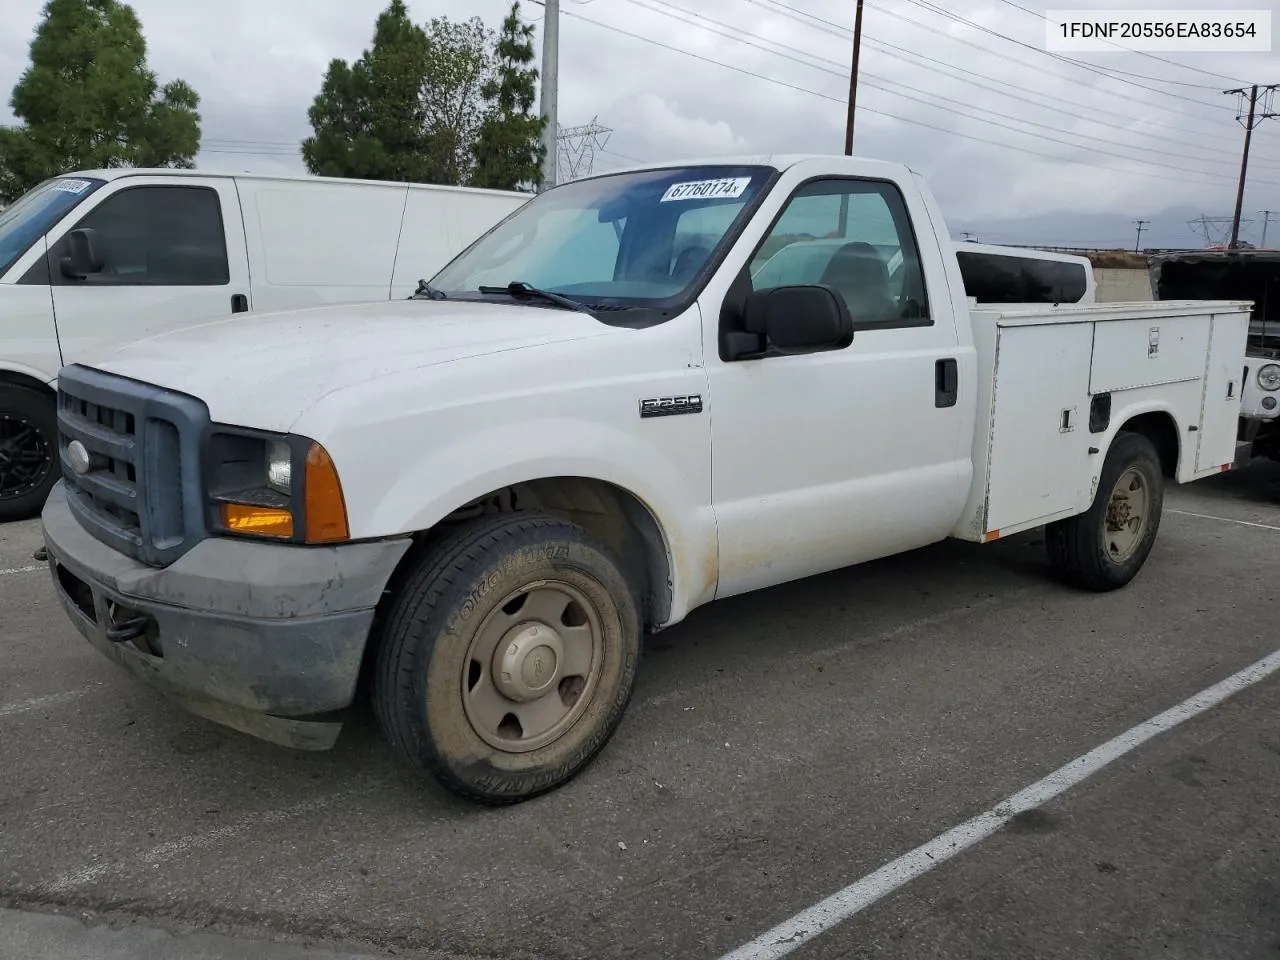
[{"x": 781, "y": 746}]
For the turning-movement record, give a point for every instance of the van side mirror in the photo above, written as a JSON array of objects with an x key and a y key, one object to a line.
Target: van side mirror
[
  {"x": 83, "y": 257},
  {"x": 804, "y": 318}
]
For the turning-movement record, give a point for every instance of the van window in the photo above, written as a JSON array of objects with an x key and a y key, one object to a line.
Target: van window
[
  {"x": 855, "y": 236},
  {"x": 159, "y": 236},
  {"x": 997, "y": 278},
  {"x": 31, "y": 216}
]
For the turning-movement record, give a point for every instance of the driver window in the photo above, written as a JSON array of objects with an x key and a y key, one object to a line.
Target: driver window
[
  {"x": 854, "y": 236},
  {"x": 160, "y": 235}
]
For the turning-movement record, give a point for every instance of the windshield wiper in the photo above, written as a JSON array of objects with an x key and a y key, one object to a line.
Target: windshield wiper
[
  {"x": 518, "y": 288},
  {"x": 427, "y": 290}
]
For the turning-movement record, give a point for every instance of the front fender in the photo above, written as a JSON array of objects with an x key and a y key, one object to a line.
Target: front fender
[
  {"x": 28, "y": 372},
  {"x": 443, "y": 478}
]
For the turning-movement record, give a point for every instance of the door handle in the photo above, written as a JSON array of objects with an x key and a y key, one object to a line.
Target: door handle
[
  {"x": 239, "y": 303},
  {"x": 946, "y": 382}
]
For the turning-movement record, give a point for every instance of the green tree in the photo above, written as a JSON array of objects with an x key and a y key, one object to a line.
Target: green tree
[
  {"x": 368, "y": 119},
  {"x": 508, "y": 150},
  {"x": 459, "y": 66},
  {"x": 88, "y": 100}
]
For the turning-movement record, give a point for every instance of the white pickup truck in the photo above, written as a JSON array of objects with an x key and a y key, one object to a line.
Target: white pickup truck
[
  {"x": 1244, "y": 274},
  {"x": 593, "y": 420}
]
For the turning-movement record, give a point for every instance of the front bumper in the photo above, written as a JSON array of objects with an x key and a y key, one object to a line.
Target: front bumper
[{"x": 249, "y": 635}]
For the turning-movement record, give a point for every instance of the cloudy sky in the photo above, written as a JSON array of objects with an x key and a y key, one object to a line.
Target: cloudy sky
[{"x": 1020, "y": 145}]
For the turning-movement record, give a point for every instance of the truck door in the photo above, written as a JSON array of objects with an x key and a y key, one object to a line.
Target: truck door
[
  {"x": 169, "y": 251},
  {"x": 832, "y": 458}
]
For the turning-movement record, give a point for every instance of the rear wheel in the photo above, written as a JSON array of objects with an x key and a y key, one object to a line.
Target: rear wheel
[
  {"x": 507, "y": 658},
  {"x": 28, "y": 452},
  {"x": 1105, "y": 547}
]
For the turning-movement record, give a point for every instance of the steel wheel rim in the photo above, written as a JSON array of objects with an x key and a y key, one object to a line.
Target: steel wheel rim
[
  {"x": 24, "y": 456},
  {"x": 536, "y": 659},
  {"x": 1128, "y": 512}
]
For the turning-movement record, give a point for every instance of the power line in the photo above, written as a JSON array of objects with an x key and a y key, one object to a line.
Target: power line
[
  {"x": 1138, "y": 242},
  {"x": 929, "y": 97},
  {"x": 1101, "y": 71},
  {"x": 841, "y": 100},
  {"x": 1181, "y": 154},
  {"x": 986, "y": 50},
  {"x": 1266, "y": 220},
  {"x": 1267, "y": 112},
  {"x": 1141, "y": 53},
  {"x": 1056, "y": 102}
]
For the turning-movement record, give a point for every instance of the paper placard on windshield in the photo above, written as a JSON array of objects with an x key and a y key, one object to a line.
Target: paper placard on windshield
[
  {"x": 725, "y": 188},
  {"x": 72, "y": 186}
]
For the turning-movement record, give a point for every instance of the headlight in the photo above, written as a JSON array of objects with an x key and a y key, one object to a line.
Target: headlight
[
  {"x": 275, "y": 486},
  {"x": 279, "y": 466},
  {"x": 1269, "y": 376}
]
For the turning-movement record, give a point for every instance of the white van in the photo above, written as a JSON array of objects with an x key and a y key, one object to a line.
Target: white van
[{"x": 105, "y": 256}]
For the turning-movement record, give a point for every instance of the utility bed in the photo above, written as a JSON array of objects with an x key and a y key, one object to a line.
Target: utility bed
[{"x": 1175, "y": 360}]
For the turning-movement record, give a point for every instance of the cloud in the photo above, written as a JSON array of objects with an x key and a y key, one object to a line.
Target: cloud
[
  {"x": 668, "y": 131},
  {"x": 1001, "y": 129}
]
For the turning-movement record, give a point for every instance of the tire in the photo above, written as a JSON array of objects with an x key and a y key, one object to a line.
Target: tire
[
  {"x": 1087, "y": 551},
  {"x": 28, "y": 451},
  {"x": 455, "y": 656}
]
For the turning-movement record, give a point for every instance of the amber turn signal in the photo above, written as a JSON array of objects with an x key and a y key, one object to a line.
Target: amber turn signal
[
  {"x": 258, "y": 521},
  {"x": 326, "y": 510}
]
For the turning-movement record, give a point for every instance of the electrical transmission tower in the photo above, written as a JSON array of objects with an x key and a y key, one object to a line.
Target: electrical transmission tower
[
  {"x": 1215, "y": 230},
  {"x": 1251, "y": 119},
  {"x": 577, "y": 147}
]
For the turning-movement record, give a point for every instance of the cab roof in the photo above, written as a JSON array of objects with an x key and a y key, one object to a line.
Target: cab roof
[{"x": 779, "y": 161}]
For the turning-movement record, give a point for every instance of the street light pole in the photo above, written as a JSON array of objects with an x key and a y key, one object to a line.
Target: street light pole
[{"x": 550, "y": 84}]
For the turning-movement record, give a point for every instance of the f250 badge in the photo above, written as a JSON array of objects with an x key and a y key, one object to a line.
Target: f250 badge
[{"x": 670, "y": 406}]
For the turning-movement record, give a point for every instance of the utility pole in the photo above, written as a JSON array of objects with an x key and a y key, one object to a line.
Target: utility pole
[
  {"x": 853, "y": 80},
  {"x": 547, "y": 104},
  {"x": 1140, "y": 224},
  {"x": 1266, "y": 218},
  {"x": 1255, "y": 117}
]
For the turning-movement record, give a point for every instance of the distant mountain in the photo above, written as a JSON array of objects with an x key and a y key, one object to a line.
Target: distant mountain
[{"x": 1169, "y": 228}]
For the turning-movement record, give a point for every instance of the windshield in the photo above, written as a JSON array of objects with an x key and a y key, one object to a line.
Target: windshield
[
  {"x": 32, "y": 214},
  {"x": 628, "y": 239}
]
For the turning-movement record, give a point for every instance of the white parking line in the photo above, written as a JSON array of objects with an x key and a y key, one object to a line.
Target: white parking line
[
  {"x": 856, "y": 897},
  {"x": 1243, "y": 523},
  {"x": 197, "y": 841},
  {"x": 22, "y": 706},
  {"x": 31, "y": 569}
]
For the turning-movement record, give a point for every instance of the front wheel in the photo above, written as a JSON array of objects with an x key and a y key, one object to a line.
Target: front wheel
[
  {"x": 28, "y": 452},
  {"x": 507, "y": 657},
  {"x": 1105, "y": 547}
]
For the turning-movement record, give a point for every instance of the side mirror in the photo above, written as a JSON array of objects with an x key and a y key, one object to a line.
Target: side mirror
[
  {"x": 83, "y": 258},
  {"x": 797, "y": 319}
]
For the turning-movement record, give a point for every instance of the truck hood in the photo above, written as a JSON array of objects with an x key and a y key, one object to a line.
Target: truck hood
[{"x": 266, "y": 370}]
